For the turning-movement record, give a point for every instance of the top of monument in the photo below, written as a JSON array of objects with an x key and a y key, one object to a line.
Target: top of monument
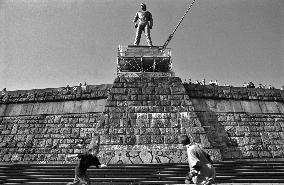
[{"x": 143, "y": 51}]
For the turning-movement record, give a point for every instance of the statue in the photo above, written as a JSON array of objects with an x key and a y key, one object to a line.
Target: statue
[{"x": 145, "y": 23}]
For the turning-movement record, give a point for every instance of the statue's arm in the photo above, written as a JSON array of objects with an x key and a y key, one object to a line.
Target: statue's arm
[
  {"x": 135, "y": 18},
  {"x": 151, "y": 21}
]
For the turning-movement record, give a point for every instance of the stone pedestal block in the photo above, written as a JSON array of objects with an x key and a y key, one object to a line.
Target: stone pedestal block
[{"x": 152, "y": 113}]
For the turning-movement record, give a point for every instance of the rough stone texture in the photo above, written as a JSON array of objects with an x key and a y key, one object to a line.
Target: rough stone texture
[
  {"x": 43, "y": 125},
  {"x": 237, "y": 93},
  {"x": 52, "y": 108},
  {"x": 140, "y": 119},
  {"x": 250, "y": 133},
  {"x": 56, "y": 94},
  {"x": 250, "y": 121},
  {"x": 143, "y": 119},
  {"x": 45, "y": 138}
]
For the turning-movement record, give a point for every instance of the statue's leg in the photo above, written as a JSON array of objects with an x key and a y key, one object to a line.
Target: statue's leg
[
  {"x": 138, "y": 34},
  {"x": 148, "y": 37}
]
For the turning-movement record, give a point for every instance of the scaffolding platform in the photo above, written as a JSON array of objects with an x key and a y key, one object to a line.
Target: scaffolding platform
[{"x": 144, "y": 59}]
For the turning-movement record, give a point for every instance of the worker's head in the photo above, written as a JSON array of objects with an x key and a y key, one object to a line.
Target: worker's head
[
  {"x": 143, "y": 6},
  {"x": 184, "y": 140}
]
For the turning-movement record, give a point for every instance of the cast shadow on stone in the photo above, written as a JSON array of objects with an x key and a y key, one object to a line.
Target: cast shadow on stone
[{"x": 218, "y": 136}]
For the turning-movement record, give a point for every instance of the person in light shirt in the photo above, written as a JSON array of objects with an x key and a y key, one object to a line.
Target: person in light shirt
[
  {"x": 145, "y": 23},
  {"x": 202, "y": 171}
]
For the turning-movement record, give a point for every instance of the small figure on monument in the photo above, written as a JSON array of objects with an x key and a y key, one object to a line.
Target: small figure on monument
[
  {"x": 4, "y": 91},
  {"x": 145, "y": 23},
  {"x": 202, "y": 171}
]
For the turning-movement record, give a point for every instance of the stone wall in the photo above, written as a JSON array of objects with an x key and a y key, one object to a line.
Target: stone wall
[
  {"x": 46, "y": 124},
  {"x": 249, "y": 129},
  {"x": 144, "y": 117},
  {"x": 236, "y": 93},
  {"x": 56, "y": 94},
  {"x": 45, "y": 138},
  {"x": 250, "y": 121},
  {"x": 139, "y": 120}
]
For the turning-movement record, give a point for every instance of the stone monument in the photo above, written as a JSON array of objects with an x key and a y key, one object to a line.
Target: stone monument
[{"x": 147, "y": 110}]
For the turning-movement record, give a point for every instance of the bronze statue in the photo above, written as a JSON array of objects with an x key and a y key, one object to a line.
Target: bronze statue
[{"x": 145, "y": 23}]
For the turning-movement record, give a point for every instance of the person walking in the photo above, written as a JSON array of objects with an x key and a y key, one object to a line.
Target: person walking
[
  {"x": 87, "y": 159},
  {"x": 201, "y": 167}
]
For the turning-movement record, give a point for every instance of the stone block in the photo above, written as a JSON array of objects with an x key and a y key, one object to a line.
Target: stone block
[
  {"x": 156, "y": 131},
  {"x": 255, "y": 141},
  {"x": 146, "y": 156},
  {"x": 253, "y": 147},
  {"x": 157, "y": 115},
  {"x": 135, "y": 103},
  {"x": 163, "y": 103},
  {"x": 272, "y": 107},
  {"x": 148, "y": 91},
  {"x": 177, "y": 90},
  {"x": 130, "y": 140},
  {"x": 251, "y": 107},
  {"x": 157, "y": 139},
  {"x": 277, "y": 154},
  {"x": 122, "y": 103},
  {"x": 118, "y": 91},
  {"x": 236, "y": 155},
  {"x": 264, "y": 154},
  {"x": 156, "y": 98},
  {"x": 144, "y": 139},
  {"x": 176, "y": 103},
  {"x": 166, "y": 108},
  {"x": 7, "y": 158},
  {"x": 241, "y": 130},
  {"x": 142, "y": 123},
  {"x": 195, "y": 122},
  {"x": 134, "y": 91},
  {"x": 252, "y": 134},
  {"x": 272, "y": 129},
  {"x": 250, "y": 154},
  {"x": 117, "y": 139}
]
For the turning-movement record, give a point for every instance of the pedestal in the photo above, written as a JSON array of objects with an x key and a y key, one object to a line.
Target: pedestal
[{"x": 149, "y": 60}]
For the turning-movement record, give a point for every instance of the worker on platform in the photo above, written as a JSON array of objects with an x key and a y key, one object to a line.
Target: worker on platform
[{"x": 145, "y": 23}]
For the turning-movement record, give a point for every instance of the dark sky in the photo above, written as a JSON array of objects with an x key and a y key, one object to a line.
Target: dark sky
[{"x": 52, "y": 43}]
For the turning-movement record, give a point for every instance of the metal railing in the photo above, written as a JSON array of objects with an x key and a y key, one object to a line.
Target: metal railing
[{"x": 143, "y": 59}]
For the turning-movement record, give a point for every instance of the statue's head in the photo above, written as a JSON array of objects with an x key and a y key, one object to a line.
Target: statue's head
[{"x": 143, "y": 6}]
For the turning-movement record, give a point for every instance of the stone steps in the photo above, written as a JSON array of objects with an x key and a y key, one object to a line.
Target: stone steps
[{"x": 58, "y": 174}]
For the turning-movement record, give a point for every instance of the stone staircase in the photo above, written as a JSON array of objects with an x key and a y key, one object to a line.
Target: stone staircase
[{"x": 228, "y": 172}]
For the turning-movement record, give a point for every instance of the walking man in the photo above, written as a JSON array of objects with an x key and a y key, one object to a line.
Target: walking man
[
  {"x": 87, "y": 159},
  {"x": 202, "y": 171},
  {"x": 145, "y": 23}
]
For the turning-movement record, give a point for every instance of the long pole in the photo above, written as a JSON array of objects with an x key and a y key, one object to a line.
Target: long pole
[{"x": 172, "y": 34}]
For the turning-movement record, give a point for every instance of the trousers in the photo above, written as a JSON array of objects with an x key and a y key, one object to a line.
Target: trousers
[
  {"x": 83, "y": 179},
  {"x": 140, "y": 29}
]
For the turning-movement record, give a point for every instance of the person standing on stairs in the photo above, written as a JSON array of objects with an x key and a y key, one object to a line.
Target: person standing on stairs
[
  {"x": 201, "y": 171},
  {"x": 87, "y": 159}
]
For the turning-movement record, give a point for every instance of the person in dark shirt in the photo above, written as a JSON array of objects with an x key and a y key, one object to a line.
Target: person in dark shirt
[{"x": 86, "y": 160}]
